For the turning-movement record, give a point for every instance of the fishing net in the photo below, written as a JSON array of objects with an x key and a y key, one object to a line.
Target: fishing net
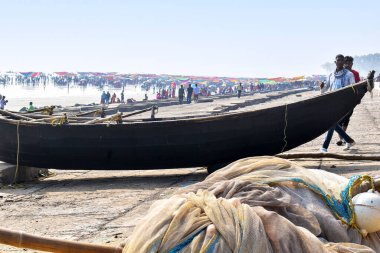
[{"x": 262, "y": 204}]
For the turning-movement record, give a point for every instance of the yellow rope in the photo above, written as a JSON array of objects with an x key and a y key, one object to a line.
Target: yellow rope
[
  {"x": 117, "y": 118},
  {"x": 48, "y": 110},
  {"x": 18, "y": 152},
  {"x": 206, "y": 247},
  {"x": 59, "y": 121},
  {"x": 97, "y": 112},
  {"x": 356, "y": 184},
  {"x": 354, "y": 89},
  {"x": 286, "y": 125}
]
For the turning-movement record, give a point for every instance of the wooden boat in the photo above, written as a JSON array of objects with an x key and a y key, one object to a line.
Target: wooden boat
[{"x": 175, "y": 142}]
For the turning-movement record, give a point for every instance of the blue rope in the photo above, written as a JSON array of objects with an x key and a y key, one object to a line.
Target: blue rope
[
  {"x": 213, "y": 245},
  {"x": 183, "y": 244},
  {"x": 342, "y": 208}
]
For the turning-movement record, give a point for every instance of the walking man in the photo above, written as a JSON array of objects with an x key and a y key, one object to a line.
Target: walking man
[
  {"x": 337, "y": 80},
  {"x": 348, "y": 62}
]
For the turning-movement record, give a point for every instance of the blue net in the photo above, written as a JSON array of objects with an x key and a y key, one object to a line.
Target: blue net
[{"x": 343, "y": 207}]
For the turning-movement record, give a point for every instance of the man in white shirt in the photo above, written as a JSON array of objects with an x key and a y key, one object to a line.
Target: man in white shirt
[
  {"x": 340, "y": 78},
  {"x": 3, "y": 102},
  {"x": 196, "y": 93}
]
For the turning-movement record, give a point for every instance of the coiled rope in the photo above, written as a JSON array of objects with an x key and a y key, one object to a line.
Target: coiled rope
[
  {"x": 116, "y": 118},
  {"x": 60, "y": 121}
]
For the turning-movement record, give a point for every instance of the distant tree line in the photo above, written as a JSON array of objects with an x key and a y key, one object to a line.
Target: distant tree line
[{"x": 363, "y": 64}]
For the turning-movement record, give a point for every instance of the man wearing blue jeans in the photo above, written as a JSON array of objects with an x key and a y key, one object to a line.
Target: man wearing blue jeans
[
  {"x": 349, "y": 141},
  {"x": 337, "y": 80}
]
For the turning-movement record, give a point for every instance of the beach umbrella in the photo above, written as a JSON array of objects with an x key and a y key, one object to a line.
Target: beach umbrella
[
  {"x": 36, "y": 74},
  {"x": 26, "y": 74}
]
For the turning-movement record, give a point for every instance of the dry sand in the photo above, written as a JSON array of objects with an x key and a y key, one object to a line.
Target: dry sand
[{"x": 104, "y": 206}]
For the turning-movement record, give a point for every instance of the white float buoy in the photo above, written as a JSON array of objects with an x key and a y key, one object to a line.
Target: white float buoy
[{"x": 367, "y": 210}]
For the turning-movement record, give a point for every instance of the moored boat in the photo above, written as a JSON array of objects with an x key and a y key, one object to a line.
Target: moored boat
[{"x": 173, "y": 142}]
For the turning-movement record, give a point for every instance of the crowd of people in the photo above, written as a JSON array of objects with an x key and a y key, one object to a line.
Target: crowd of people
[
  {"x": 193, "y": 91},
  {"x": 163, "y": 88},
  {"x": 106, "y": 98}
]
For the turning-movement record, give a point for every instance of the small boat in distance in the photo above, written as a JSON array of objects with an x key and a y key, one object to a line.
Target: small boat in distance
[{"x": 173, "y": 142}]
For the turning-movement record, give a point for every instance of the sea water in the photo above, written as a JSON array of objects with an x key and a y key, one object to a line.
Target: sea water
[{"x": 19, "y": 94}]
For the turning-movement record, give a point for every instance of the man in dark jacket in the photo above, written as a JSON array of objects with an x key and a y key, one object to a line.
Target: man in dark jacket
[
  {"x": 181, "y": 93},
  {"x": 189, "y": 94}
]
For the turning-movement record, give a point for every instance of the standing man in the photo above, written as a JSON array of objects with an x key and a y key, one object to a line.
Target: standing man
[
  {"x": 240, "y": 88},
  {"x": 3, "y": 103},
  {"x": 348, "y": 62},
  {"x": 196, "y": 93},
  {"x": 181, "y": 93},
  {"x": 122, "y": 97},
  {"x": 103, "y": 98},
  {"x": 189, "y": 93},
  {"x": 337, "y": 80},
  {"x": 108, "y": 97}
]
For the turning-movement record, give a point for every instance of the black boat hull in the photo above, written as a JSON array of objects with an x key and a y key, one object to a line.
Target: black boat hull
[{"x": 175, "y": 143}]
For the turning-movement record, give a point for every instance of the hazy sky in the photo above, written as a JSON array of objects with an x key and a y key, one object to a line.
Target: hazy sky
[{"x": 237, "y": 38}]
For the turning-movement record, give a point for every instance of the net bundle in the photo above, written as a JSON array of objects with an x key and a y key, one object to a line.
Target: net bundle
[{"x": 260, "y": 204}]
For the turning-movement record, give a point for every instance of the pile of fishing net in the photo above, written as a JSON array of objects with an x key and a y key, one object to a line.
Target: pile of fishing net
[{"x": 261, "y": 204}]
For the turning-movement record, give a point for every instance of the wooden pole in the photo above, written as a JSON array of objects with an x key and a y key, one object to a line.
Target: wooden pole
[
  {"x": 47, "y": 118},
  {"x": 100, "y": 120},
  {"x": 24, "y": 240},
  {"x": 138, "y": 112},
  {"x": 89, "y": 112},
  {"x": 329, "y": 155},
  {"x": 14, "y": 115}
]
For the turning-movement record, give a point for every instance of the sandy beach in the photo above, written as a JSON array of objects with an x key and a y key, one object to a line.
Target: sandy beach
[{"x": 105, "y": 206}]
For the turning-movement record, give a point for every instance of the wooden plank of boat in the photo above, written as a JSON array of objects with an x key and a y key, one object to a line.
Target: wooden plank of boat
[
  {"x": 48, "y": 110},
  {"x": 61, "y": 118},
  {"x": 153, "y": 109},
  {"x": 94, "y": 112},
  {"x": 176, "y": 143},
  {"x": 14, "y": 115},
  {"x": 115, "y": 117}
]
